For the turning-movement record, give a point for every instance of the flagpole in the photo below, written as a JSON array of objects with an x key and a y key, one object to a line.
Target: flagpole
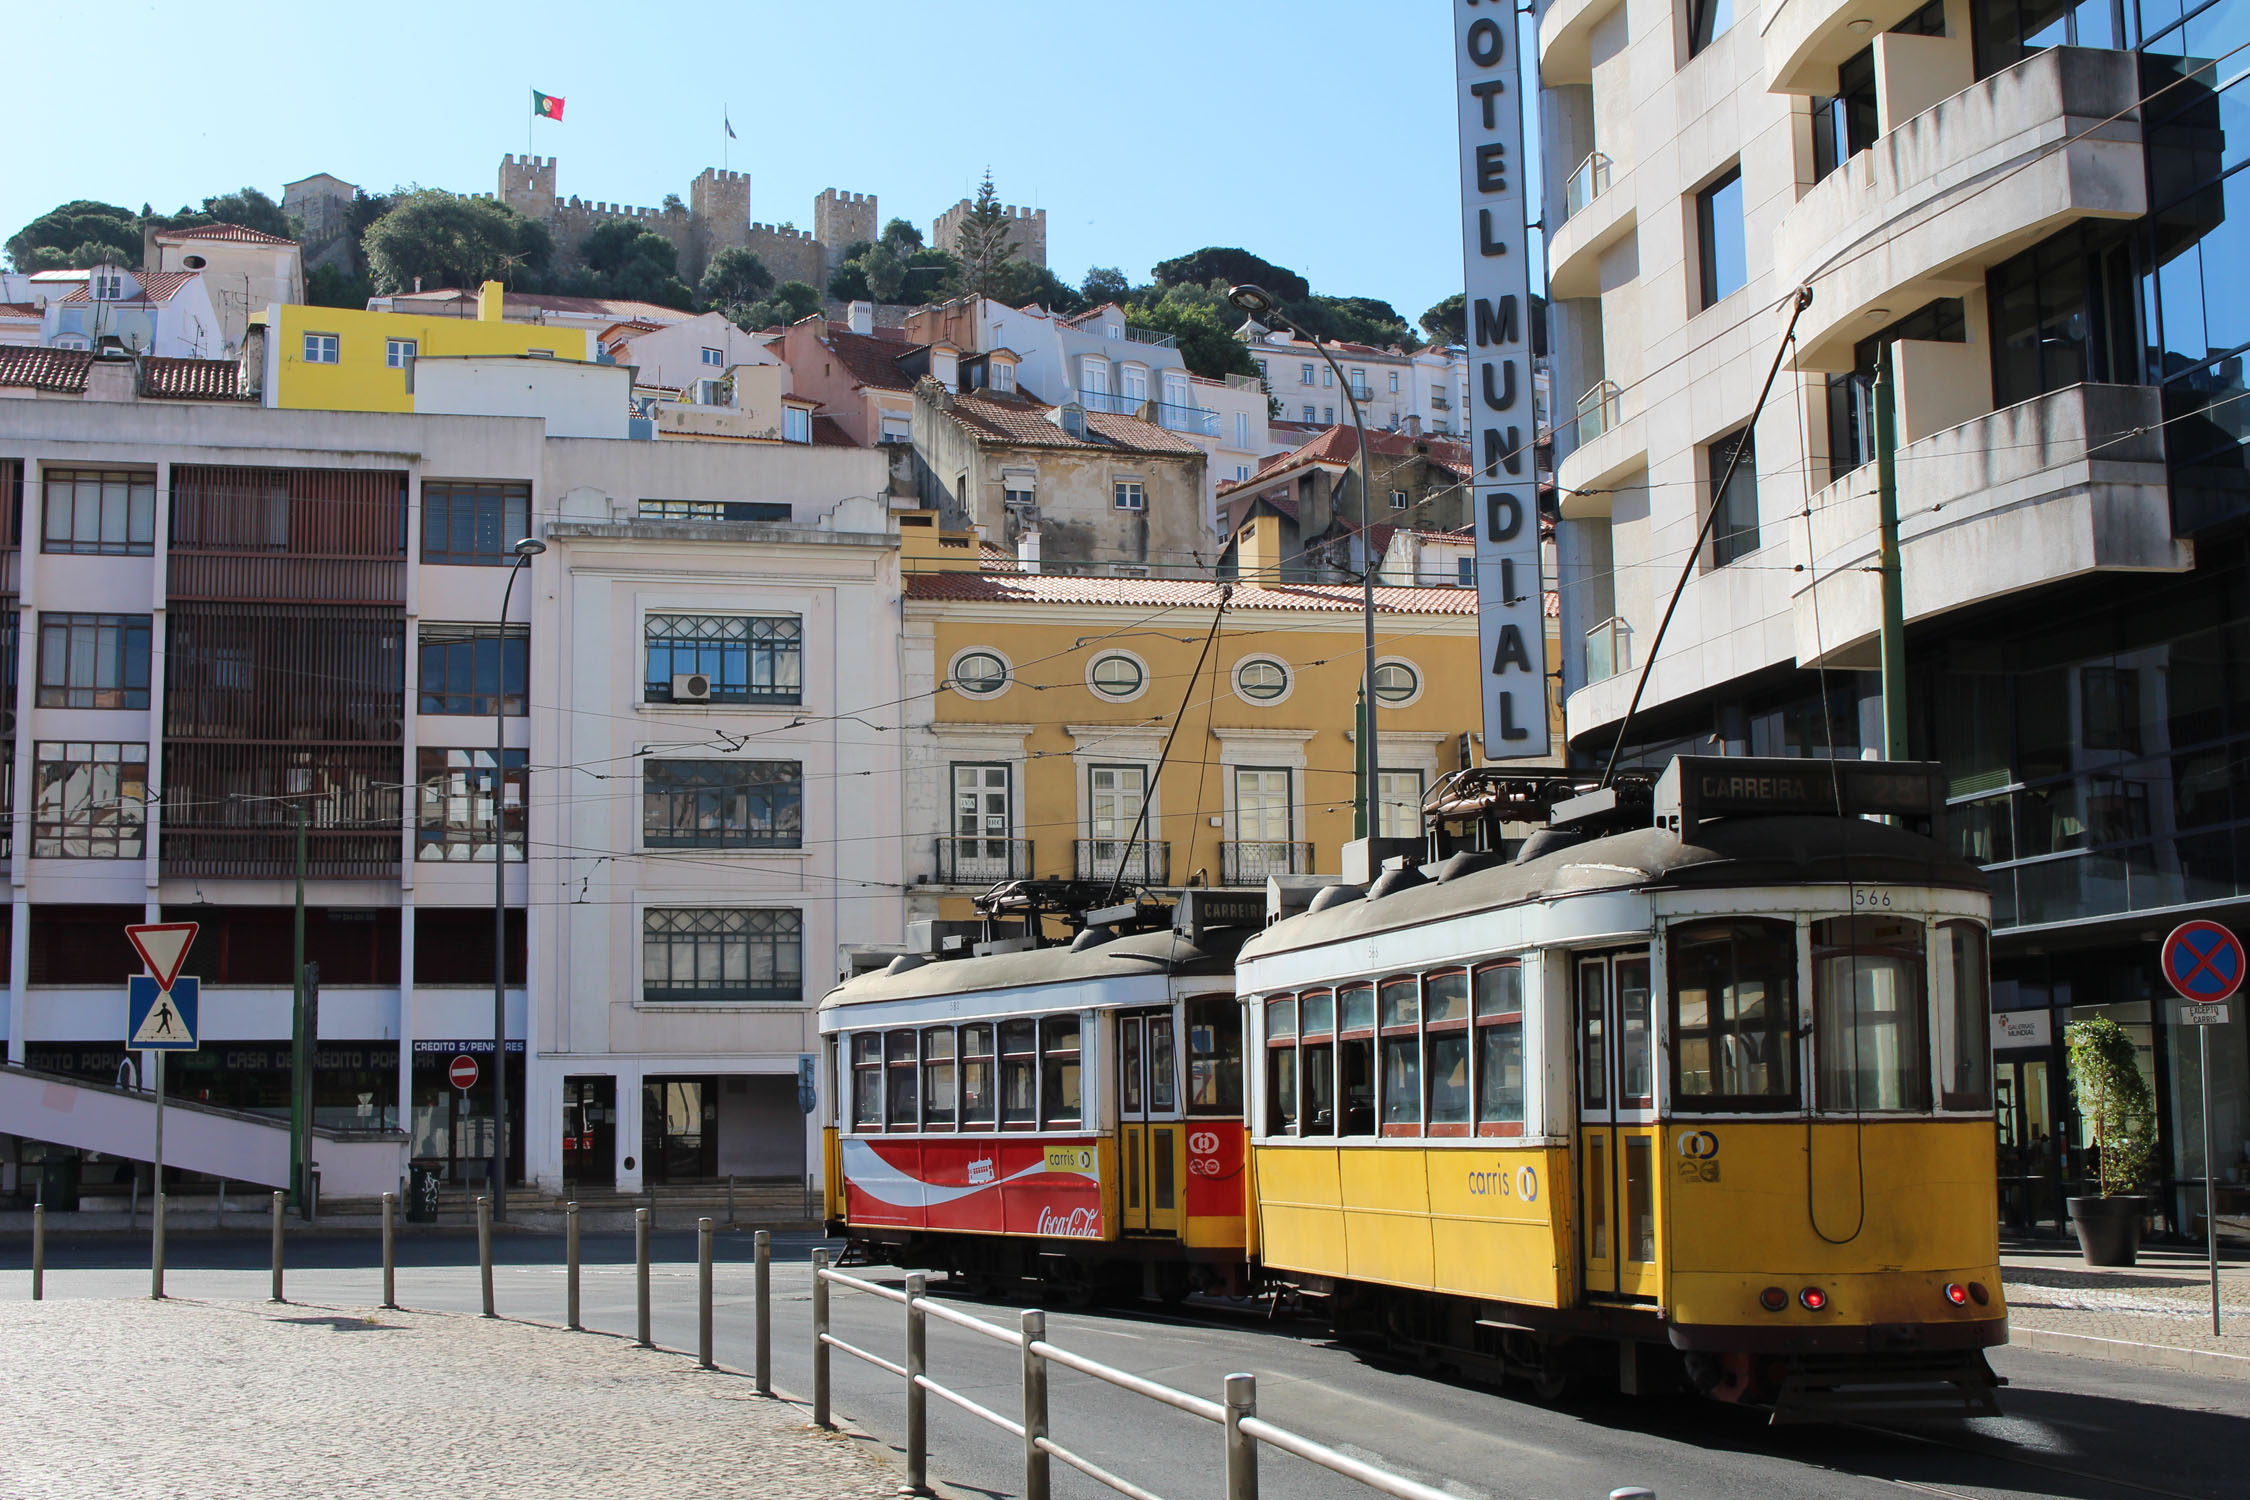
[{"x": 726, "y": 134}]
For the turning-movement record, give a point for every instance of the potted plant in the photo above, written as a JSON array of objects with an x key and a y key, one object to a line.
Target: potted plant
[{"x": 2119, "y": 1112}]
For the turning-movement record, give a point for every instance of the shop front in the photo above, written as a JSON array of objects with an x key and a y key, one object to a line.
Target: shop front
[
  {"x": 712, "y": 1127},
  {"x": 454, "y": 1088}
]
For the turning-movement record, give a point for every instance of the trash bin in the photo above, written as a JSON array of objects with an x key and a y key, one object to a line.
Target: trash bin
[
  {"x": 58, "y": 1183},
  {"x": 421, "y": 1195}
]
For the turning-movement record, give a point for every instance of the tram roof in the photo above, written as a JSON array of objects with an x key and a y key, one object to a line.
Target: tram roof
[
  {"x": 1760, "y": 852},
  {"x": 1138, "y": 953}
]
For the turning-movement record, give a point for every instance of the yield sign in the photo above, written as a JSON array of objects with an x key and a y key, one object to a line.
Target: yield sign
[{"x": 163, "y": 947}]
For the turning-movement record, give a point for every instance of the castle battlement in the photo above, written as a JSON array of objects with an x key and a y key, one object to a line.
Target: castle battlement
[{"x": 783, "y": 232}]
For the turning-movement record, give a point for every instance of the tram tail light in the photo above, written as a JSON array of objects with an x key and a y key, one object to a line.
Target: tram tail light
[
  {"x": 1813, "y": 1298},
  {"x": 1979, "y": 1294},
  {"x": 1956, "y": 1294},
  {"x": 1773, "y": 1299}
]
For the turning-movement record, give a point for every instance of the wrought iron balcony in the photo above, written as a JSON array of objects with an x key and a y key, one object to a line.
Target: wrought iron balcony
[
  {"x": 1252, "y": 861},
  {"x": 1148, "y": 864},
  {"x": 963, "y": 860}
]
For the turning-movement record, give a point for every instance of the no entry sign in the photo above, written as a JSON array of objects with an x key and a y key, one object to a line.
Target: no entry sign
[
  {"x": 2203, "y": 961},
  {"x": 462, "y": 1073}
]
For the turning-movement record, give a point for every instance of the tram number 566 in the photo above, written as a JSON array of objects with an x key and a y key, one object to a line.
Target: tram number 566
[{"x": 1871, "y": 898}]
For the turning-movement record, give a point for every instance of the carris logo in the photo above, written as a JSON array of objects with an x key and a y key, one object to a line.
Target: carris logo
[
  {"x": 1204, "y": 1142},
  {"x": 980, "y": 1171},
  {"x": 1701, "y": 1145},
  {"x": 1079, "y": 1223}
]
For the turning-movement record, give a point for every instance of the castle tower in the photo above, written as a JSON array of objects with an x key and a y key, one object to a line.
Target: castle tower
[
  {"x": 720, "y": 203},
  {"x": 1027, "y": 230},
  {"x": 527, "y": 185},
  {"x": 841, "y": 220}
]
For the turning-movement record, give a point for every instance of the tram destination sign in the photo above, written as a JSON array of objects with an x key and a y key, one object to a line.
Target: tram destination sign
[
  {"x": 1696, "y": 789},
  {"x": 1511, "y": 613}
]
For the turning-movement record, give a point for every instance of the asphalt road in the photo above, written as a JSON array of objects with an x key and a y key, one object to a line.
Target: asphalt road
[{"x": 2074, "y": 1428}]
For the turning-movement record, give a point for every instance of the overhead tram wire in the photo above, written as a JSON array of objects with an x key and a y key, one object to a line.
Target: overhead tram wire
[{"x": 1140, "y": 819}]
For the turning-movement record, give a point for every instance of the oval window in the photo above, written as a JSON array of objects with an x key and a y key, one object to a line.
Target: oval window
[
  {"x": 980, "y": 674},
  {"x": 1117, "y": 676},
  {"x": 1395, "y": 682},
  {"x": 192, "y": 262},
  {"x": 1262, "y": 680}
]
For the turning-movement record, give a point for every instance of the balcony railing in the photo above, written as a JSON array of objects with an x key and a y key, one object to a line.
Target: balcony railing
[
  {"x": 1149, "y": 864},
  {"x": 975, "y": 861},
  {"x": 1110, "y": 401},
  {"x": 1599, "y": 410},
  {"x": 1187, "y": 419},
  {"x": 1151, "y": 337},
  {"x": 1439, "y": 403},
  {"x": 1609, "y": 649},
  {"x": 1247, "y": 382},
  {"x": 1252, "y": 861},
  {"x": 1589, "y": 182}
]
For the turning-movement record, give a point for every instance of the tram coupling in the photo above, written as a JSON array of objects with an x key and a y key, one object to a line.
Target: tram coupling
[{"x": 1844, "y": 1388}]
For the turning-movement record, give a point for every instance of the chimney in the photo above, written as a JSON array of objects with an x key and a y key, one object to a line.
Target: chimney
[
  {"x": 861, "y": 316},
  {"x": 1413, "y": 426},
  {"x": 112, "y": 374},
  {"x": 491, "y": 302},
  {"x": 1027, "y": 550}
]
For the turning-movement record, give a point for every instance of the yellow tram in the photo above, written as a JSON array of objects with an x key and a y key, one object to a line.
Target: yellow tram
[{"x": 1708, "y": 1098}]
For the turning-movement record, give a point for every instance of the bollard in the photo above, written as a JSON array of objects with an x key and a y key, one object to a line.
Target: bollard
[
  {"x": 1632, "y": 1492},
  {"x": 1242, "y": 1449},
  {"x": 156, "y": 1253},
  {"x": 1034, "y": 1405},
  {"x": 484, "y": 1251},
  {"x": 917, "y": 1399},
  {"x": 640, "y": 1273},
  {"x": 570, "y": 1264},
  {"x": 219, "y": 1219},
  {"x": 764, "y": 1289},
  {"x": 703, "y": 1293},
  {"x": 730, "y": 1202},
  {"x": 38, "y": 1252},
  {"x": 278, "y": 1199},
  {"x": 390, "y": 1249},
  {"x": 820, "y": 1341}
]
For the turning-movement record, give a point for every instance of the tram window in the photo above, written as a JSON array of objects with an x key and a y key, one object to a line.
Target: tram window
[
  {"x": 1316, "y": 1108},
  {"x": 1640, "y": 1200},
  {"x": 867, "y": 1080},
  {"x": 1163, "y": 1067},
  {"x": 1870, "y": 1023},
  {"x": 1401, "y": 1011},
  {"x": 1964, "y": 1008},
  {"x": 1019, "y": 1068},
  {"x": 1445, "y": 1021},
  {"x": 1318, "y": 1013},
  {"x": 1355, "y": 1085},
  {"x": 1059, "y": 1071},
  {"x": 1445, "y": 997},
  {"x": 1281, "y": 1018},
  {"x": 1499, "y": 1022},
  {"x": 1215, "y": 1056},
  {"x": 939, "y": 1104},
  {"x": 1355, "y": 1008},
  {"x": 1636, "y": 1061},
  {"x": 1593, "y": 1040},
  {"x": 1734, "y": 1012},
  {"x": 977, "y": 1097},
  {"x": 903, "y": 1067},
  {"x": 1281, "y": 1066}
]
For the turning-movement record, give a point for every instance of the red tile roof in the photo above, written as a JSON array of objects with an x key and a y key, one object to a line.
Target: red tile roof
[
  {"x": 827, "y": 433},
  {"x": 234, "y": 232},
  {"x": 44, "y": 369},
  {"x": 193, "y": 380},
  {"x": 21, "y": 310},
  {"x": 156, "y": 286},
  {"x": 993, "y": 559},
  {"x": 1338, "y": 446},
  {"x": 1011, "y": 419},
  {"x": 870, "y": 360},
  {"x": 1058, "y": 588}
]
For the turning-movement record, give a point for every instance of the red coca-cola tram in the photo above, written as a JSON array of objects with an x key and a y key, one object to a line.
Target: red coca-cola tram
[{"x": 1070, "y": 1113}]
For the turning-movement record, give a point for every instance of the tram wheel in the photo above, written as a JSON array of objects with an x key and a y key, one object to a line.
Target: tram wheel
[{"x": 1550, "y": 1383}]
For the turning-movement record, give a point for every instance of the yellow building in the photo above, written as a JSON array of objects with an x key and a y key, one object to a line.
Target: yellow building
[
  {"x": 343, "y": 359},
  {"x": 1039, "y": 706}
]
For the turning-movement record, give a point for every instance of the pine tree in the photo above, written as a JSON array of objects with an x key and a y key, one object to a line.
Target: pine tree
[{"x": 985, "y": 242}]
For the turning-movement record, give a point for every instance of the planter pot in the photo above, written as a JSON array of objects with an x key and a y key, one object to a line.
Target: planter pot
[{"x": 2109, "y": 1229}]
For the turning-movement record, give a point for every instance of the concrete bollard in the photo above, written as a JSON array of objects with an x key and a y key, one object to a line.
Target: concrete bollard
[
  {"x": 38, "y": 1252},
  {"x": 278, "y": 1200},
  {"x": 570, "y": 1265},
  {"x": 390, "y": 1249},
  {"x": 703, "y": 1293},
  {"x": 820, "y": 1341},
  {"x": 484, "y": 1251},
  {"x": 1632, "y": 1492},
  {"x": 917, "y": 1398},
  {"x": 1242, "y": 1449},
  {"x": 156, "y": 1253},
  {"x": 1035, "y": 1463},
  {"x": 640, "y": 1274},
  {"x": 764, "y": 1290}
]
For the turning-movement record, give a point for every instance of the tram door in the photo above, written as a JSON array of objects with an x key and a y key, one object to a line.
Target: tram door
[
  {"x": 1618, "y": 1161},
  {"x": 1148, "y": 1122}
]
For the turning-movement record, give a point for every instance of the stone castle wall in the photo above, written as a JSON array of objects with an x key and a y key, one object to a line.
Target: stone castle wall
[{"x": 1027, "y": 230}]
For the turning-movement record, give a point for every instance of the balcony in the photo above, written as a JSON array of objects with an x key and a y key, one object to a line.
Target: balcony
[
  {"x": 1589, "y": 182},
  {"x": 1151, "y": 337},
  {"x": 1193, "y": 419},
  {"x": 1804, "y": 40},
  {"x": 1148, "y": 864},
  {"x": 1566, "y": 31},
  {"x": 1111, "y": 402},
  {"x": 1960, "y": 187},
  {"x": 1599, "y": 410},
  {"x": 1439, "y": 403},
  {"x": 1254, "y": 861},
  {"x": 975, "y": 861},
  {"x": 1609, "y": 650},
  {"x": 2066, "y": 484},
  {"x": 1612, "y": 448},
  {"x": 1597, "y": 223}
]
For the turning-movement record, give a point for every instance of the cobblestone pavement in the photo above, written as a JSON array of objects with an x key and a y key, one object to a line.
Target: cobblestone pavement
[
  {"x": 2164, "y": 1302},
  {"x": 218, "y": 1400}
]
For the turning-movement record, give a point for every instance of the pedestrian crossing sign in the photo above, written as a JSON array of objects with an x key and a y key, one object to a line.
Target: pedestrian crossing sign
[{"x": 159, "y": 1019}]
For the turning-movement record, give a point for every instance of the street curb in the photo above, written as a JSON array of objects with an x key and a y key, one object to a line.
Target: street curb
[{"x": 2119, "y": 1351}]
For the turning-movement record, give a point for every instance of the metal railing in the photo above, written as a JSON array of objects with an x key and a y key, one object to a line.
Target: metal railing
[
  {"x": 1235, "y": 1413},
  {"x": 1609, "y": 649},
  {"x": 1251, "y": 861},
  {"x": 1600, "y": 409},
  {"x": 1439, "y": 403},
  {"x": 1112, "y": 402},
  {"x": 1151, "y": 337},
  {"x": 1195, "y": 419},
  {"x": 965, "y": 860},
  {"x": 1149, "y": 864},
  {"x": 1589, "y": 182}
]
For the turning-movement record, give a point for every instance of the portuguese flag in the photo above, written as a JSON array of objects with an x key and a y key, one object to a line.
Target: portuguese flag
[{"x": 546, "y": 106}]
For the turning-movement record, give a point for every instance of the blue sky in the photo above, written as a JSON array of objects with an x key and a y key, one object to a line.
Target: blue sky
[{"x": 1144, "y": 131}]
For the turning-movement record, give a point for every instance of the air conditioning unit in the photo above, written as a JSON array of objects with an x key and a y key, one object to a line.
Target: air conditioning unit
[{"x": 691, "y": 687}]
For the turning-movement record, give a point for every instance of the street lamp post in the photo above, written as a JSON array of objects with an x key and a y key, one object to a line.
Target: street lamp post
[
  {"x": 524, "y": 550},
  {"x": 1260, "y": 303}
]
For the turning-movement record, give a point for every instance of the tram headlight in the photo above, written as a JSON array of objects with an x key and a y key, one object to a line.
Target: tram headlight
[
  {"x": 1813, "y": 1298},
  {"x": 1956, "y": 1294},
  {"x": 1773, "y": 1299}
]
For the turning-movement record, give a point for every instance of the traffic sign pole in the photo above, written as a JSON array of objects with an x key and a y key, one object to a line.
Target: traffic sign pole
[
  {"x": 2205, "y": 963},
  {"x": 2210, "y": 1203},
  {"x": 156, "y": 1225}
]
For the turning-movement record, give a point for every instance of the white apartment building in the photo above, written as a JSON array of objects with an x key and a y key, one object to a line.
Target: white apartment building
[{"x": 1430, "y": 386}]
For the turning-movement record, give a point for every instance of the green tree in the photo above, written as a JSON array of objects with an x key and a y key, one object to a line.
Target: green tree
[
  {"x": 870, "y": 272},
  {"x": 448, "y": 241},
  {"x": 336, "y": 286},
  {"x": 248, "y": 207},
  {"x": 791, "y": 302},
  {"x": 735, "y": 278},
  {"x": 1104, "y": 284},
  {"x": 1019, "y": 283},
  {"x": 1200, "y": 319},
  {"x": 2114, "y": 1101},
  {"x": 1447, "y": 321},
  {"x": 1233, "y": 266},
  {"x": 626, "y": 260},
  {"x": 985, "y": 242},
  {"x": 931, "y": 276},
  {"x": 68, "y": 227},
  {"x": 903, "y": 238},
  {"x": 1357, "y": 320}
]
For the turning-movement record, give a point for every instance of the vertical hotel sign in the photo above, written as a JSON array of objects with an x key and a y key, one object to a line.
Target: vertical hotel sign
[{"x": 1511, "y": 618}]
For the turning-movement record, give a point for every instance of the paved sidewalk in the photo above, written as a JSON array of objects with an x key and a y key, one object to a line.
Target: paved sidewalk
[
  {"x": 2155, "y": 1313},
  {"x": 219, "y": 1400}
]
